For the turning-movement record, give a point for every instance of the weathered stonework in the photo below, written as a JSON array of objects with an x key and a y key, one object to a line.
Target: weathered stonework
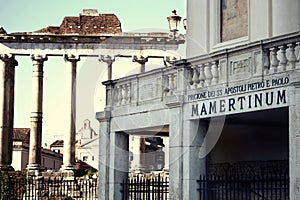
[
  {"x": 234, "y": 14},
  {"x": 240, "y": 93}
]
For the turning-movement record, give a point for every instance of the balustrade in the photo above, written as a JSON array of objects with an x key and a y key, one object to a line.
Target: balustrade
[
  {"x": 205, "y": 74},
  {"x": 264, "y": 58},
  {"x": 122, "y": 94},
  {"x": 169, "y": 83},
  {"x": 282, "y": 58}
]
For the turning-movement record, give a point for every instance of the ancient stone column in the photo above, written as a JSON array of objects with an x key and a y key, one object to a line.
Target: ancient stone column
[
  {"x": 109, "y": 60},
  {"x": 69, "y": 139},
  {"x": 7, "y": 66},
  {"x": 11, "y": 104},
  {"x": 141, "y": 60},
  {"x": 34, "y": 162}
]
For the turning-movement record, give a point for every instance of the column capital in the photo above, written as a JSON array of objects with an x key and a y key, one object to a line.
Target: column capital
[
  {"x": 9, "y": 58},
  {"x": 6, "y": 57},
  {"x": 170, "y": 60},
  {"x": 140, "y": 59},
  {"x": 71, "y": 58},
  {"x": 39, "y": 59},
  {"x": 107, "y": 59}
]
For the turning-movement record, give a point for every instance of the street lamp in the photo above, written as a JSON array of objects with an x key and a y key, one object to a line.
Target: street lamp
[
  {"x": 174, "y": 21},
  {"x": 184, "y": 24}
]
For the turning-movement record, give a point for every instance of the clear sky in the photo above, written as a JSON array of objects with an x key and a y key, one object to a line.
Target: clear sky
[{"x": 30, "y": 15}]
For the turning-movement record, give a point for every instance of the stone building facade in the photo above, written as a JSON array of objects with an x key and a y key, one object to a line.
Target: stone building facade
[
  {"x": 231, "y": 100},
  {"x": 87, "y": 145}
]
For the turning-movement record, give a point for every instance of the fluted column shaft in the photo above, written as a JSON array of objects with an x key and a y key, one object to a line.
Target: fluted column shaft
[
  {"x": 7, "y": 70},
  {"x": 36, "y": 113},
  {"x": 69, "y": 139}
]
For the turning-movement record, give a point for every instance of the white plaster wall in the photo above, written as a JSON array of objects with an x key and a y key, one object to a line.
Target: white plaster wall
[
  {"x": 197, "y": 37},
  {"x": 260, "y": 21},
  {"x": 286, "y": 16},
  {"x": 89, "y": 153},
  {"x": 20, "y": 158},
  {"x": 17, "y": 160}
]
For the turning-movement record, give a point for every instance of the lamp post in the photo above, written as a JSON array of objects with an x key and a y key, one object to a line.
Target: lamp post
[
  {"x": 174, "y": 21},
  {"x": 184, "y": 24}
]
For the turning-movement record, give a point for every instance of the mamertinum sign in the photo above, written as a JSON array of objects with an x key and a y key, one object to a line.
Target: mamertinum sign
[{"x": 265, "y": 94}]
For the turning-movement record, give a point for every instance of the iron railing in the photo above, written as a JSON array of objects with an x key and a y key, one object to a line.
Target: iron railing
[
  {"x": 262, "y": 186},
  {"x": 145, "y": 188},
  {"x": 47, "y": 188}
]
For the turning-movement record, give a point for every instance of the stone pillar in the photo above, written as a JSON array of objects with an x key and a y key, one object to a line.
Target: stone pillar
[
  {"x": 104, "y": 119},
  {"x": 175, "y": 152},
  {"x": 194, "y": 157},
  {"x": 294, "y": 140},
  {"x": 7, "y": 65},
  {"x": 141, "y": 60},
  {"x": 185, "y": 142},
  {"x": 69, "y": 139},
  {"x": 109, "y": 60},
  {"x": 118, "y": 163},
  {"x": 36, "y": 113}
]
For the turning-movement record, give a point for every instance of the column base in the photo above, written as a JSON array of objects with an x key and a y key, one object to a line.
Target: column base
[
  {"x": 68, "y": 172},
  {"x": 34, "y": 169},
  {"x": 67, "y": 168}
]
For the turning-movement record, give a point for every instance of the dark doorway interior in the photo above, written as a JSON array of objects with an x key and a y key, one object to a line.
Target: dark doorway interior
[{"x": 256, "y": 141}]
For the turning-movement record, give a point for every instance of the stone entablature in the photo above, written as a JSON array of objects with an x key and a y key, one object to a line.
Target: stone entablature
[{"x": 84, "y": 45}]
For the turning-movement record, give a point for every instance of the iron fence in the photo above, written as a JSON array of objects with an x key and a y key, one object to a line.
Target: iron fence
[
  {"x": 146, "y": 188},
  {"x": 262, "y": 186},
  {"x": 47, "y": 188}
]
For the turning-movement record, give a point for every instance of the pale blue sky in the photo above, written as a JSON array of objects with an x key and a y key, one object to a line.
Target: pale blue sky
[
  {"x": 30, "y": 15},
  {"x": 21, "y": 15}
]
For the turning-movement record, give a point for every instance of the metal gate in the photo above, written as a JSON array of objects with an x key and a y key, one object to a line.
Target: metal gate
[
  {"x": 146, "y": 188},
  {"x": 247, "y": 187}
]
